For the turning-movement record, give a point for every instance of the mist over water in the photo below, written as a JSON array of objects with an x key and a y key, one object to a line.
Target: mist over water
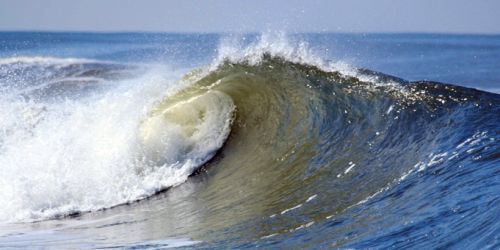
[{"x": 285, "y": 142}]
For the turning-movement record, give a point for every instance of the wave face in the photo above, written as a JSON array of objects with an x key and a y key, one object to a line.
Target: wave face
[
  {"x": 316, "y": 145},
  {"x": 288, "y": 149}
]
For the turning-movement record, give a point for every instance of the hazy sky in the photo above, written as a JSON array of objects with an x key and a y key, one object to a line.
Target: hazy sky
[{"x": 455, "y": 16}]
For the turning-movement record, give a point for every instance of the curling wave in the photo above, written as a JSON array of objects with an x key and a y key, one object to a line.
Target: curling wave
[
  {"x": 289, "y": 142},
  {"x": 311, "y": 143}
]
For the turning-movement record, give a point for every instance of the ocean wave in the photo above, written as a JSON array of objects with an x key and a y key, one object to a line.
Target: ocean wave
[{"x": 275, "y": 122}]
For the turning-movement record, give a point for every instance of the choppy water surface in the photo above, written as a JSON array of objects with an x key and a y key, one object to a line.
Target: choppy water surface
[{"x": 163, "y": 140}]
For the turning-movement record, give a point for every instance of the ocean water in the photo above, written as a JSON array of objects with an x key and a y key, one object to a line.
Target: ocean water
[{"x": 132, "y": 140}]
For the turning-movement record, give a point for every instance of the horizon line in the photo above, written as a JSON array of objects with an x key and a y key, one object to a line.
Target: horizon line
[{"x": 251, "y": 32}]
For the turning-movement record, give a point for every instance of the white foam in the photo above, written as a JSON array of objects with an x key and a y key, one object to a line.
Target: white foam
[
  {"x": 268, "y": 236},
  {"x": 42, "y": 60},
  {"x": 351, "y": 166},
  {"x": 348, "y": 169},
  {"x": 191, "y": 129},
  {"x": 312, "y": 197},
  {"x": 88, "y": 154},
  {"x": 389, "y": 110},
  {"x": 291, "y": 209},
  {"x": 279, "y": 45}
]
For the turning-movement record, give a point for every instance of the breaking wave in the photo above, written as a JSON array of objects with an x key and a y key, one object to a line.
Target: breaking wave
[{"x": 300, "y": 133}]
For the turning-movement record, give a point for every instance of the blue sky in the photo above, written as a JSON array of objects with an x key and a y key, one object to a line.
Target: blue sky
[{"x": 435, "y": 16}]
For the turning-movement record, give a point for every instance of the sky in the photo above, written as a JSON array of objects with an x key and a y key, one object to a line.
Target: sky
[{"x": 360, "y": 16}]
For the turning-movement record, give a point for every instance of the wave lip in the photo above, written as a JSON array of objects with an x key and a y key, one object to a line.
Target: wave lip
[{"x": 191, "y": 129}]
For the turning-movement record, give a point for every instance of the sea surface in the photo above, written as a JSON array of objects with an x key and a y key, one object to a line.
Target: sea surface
[{"x": 273, "y": 140}]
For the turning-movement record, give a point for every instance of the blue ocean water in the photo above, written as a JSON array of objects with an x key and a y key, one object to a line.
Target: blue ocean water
[
  {"x": 467, "y": 60},
  {"x": 304, "y": 140}
]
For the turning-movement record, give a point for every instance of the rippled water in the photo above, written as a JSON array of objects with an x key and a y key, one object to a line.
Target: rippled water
[{"x": 207, "y": 141}]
